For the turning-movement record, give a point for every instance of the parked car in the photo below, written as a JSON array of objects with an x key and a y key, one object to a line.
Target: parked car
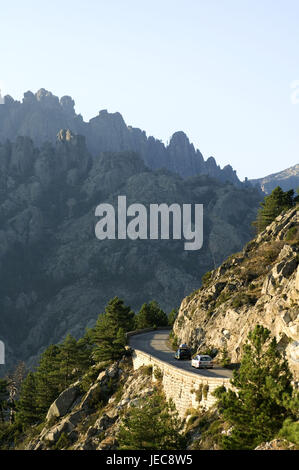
[
  {"x": 183, "y": 353},
  {"x": 203, "y": 361}
]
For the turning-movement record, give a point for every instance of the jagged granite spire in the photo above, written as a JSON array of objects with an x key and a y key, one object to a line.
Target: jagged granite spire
[{"x": 40, "y": 116}]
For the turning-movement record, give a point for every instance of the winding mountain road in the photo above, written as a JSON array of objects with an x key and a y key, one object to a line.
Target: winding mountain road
[{"x": 155, "y": 344}]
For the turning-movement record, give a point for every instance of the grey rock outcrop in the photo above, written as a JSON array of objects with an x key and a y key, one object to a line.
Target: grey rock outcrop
[
  {"x": 93, "y": 424},
  {"x": 259, "y": 285},
  {"x": 64, "y": 402}
]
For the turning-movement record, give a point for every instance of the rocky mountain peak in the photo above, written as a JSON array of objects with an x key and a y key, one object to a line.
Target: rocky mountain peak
[
  {"x": 68, "y": 104},
  {"x": 286, "y": 179},
  {"x": 40, "y": 116},
  {"x": 211, "y": 163},
  {"x": 179, "y": 138},
  {"x": 47, "y": 98}
]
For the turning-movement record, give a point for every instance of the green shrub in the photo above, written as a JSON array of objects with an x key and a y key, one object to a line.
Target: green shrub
[
  {"x": 147, "y": 370},
  {"x": 290, "y": 431},
  {"x": 198, "y": 393},
  {"x": 118, "y": 394},
  {"x": 158, "y": 374},
  {"x": 62, "y": 443},
  {"x": 154, "y": 425},
  {"x": 242, "y": 299},
  {"x": 206, "y": 278},
  {"x": 224, "y": 359},
  {"x": 223, "y": 297},
  {"x": 292, "y": 233},
  {"x": 89, "y": 378},
  {"x": 192, "y": 420},
  {"x": 205, "y": 391}
]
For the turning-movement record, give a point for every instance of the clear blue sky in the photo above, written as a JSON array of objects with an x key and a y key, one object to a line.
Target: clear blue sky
[{"x": 220, "y": 70}]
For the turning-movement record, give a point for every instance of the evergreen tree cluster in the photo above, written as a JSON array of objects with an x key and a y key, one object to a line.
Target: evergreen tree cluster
[
  {"x": 150, "y": 315},
  {"x": 153, "y": 424},
  {"x": 61, "y": 365},
  {"x": 264, "y": 398},
  {"x": 273, "y": 205}
]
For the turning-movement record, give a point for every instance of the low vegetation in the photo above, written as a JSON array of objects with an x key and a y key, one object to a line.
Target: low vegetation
[
  {"x": 154, "y": 424},
  {"x": 262, "y": 406},
  {"x": 264, "y": 396},
  {"x": 61, "y": 365}
]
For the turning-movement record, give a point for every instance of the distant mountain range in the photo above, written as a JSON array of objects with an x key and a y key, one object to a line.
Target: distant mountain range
[
  {"x": 40, "y": 116},
  {"x": 56, "y": 276},
  {"x": 286, "y": 179}
]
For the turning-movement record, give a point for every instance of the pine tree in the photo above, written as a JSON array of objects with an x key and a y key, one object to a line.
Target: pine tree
[
  {"x": 84, "y": 351},
  {"x": 153, "y": 424},
  {"x": 27, "y": 410},
  {"x": 120, "y": 314},
  {"x": 264, "y": 394},
  {"x": 48, "y": 379},
  {"x": 272, "y": 206},
  {"x": 150, "y": 315},
  {"x": 4, "y": 395},
  {"x": 108, "y": 335},
  {"x": 68, "y": 359}
]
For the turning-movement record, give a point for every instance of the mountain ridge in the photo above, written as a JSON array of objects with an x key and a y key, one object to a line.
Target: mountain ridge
[
  {"x": 40, "y": 116},
  {"x": 287, "y": 179}
]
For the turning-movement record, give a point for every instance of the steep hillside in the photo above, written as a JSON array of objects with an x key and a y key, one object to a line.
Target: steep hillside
[
  {"x": 90, "y": 419},
  {"x": 40, "y": 116},
  {"x": 56, "y": 276},
  {"x": 286, "y": 179},
  {"x": 259, "y": 285}
]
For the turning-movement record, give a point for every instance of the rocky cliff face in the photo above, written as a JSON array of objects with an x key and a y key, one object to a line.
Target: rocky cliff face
[
  {"x": 56, "y": 276},
  {"x": 89, "y": 413},
  {"x": 259, "y": 285},
  {"x": 90, "y": 420},
  {"x": 40, "y": 116},
  {"x": 286, "y": 179}
]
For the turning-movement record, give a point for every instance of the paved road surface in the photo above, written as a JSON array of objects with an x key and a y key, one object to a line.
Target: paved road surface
[{"x": 155, "y": 344}]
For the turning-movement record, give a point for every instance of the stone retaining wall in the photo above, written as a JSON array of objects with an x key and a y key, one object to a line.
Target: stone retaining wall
[{"x": 181, "y": 385}]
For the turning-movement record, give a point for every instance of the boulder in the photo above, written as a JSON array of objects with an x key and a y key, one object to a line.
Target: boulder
[
  {"x": 93, "y": 396},
  {"x": 54, "y": 433},
  {"x": 101, "y": 376},
  {"x": 64, "y": 402},
  {"x": 110, "y": 443}
]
